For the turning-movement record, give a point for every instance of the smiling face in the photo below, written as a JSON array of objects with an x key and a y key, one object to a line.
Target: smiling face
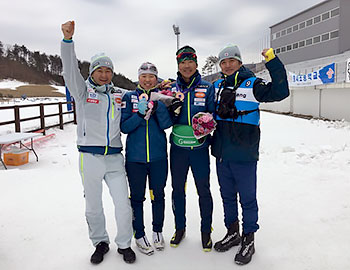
[
  {"x": 229, "y": 66},
  {"x": 187, "y": 68},
  {"x": 102, "y": 75},
  {"x": 147, "y": 81}
]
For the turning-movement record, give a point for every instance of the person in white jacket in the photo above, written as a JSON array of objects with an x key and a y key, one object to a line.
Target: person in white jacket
[{"x": 98, "y": 108}]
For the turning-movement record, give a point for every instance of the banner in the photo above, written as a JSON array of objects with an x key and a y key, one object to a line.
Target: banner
[
  {"x": 318, "y": 77},
  {"x": 347, "y": 71}
]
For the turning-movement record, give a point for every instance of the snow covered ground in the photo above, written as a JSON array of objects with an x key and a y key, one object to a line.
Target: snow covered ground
[{"x": 303, "y": 193}]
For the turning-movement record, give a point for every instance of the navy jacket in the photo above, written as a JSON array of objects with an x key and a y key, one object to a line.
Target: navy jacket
[
  {"x": 146, "y": 140},
  {"x": 238, "y": 141}
]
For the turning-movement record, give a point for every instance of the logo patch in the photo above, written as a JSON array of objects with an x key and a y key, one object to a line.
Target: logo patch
[
  {"x": 199, "y": 95},
  {"x": 199, "y": 104},
  {"x": 248, "y": 83}
]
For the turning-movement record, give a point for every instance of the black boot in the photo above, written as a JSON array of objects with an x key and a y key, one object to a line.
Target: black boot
[
  {"x": 129, "y": 255},
  {"x": 177, "y": 237},
  {"x": 101, "y": 249},
  {"x": 246, "y": 249},
  {"x": 232, "y": 238},
  {"x": 206, "y": 241}
]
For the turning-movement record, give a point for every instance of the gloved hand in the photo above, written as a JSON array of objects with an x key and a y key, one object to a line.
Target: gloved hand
[
  {"x": 175, "y": 106},
  {"x": 268, "y": 54},
  {"x": 227, "y": 106},
  {"x": 142, "y": 106}
]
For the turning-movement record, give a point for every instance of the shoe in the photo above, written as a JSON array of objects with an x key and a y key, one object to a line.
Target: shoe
[
  {"x": 101, "y": 249},
  {"x": 206, "y": 242},
  {"x": 177, "y": 237},
  {"x": 144, "y": 246},
  {"x": 129, "y": 255},
  {"x": 232, "y": 238},
  {"x": 246, "y": 249},
  {"x": 158, "y": 241}
]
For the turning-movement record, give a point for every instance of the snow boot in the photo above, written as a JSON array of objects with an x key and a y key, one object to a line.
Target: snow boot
[
  {"x": 101, "y": 249},
  {"x": 232, "y": 238},
  {"x": 158, "y": 241},
  {"x": 144, "y": 246},
  {"x": 246, "y": 249},
  {"x": 206, "y": 242},
  {"x": 129, "y": 255},
  {"x": 177, "y": 237}
]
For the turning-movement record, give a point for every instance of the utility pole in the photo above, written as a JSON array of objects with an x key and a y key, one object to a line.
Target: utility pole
[{"x": 177, "y": 33}]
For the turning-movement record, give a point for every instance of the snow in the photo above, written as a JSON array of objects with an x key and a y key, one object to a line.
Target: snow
[
  {"x": 11, "y": 84},
  {"x": 303, "y": 195}
]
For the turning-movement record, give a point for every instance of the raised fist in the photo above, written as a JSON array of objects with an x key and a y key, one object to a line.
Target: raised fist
[{"x": 68, "y": 29}]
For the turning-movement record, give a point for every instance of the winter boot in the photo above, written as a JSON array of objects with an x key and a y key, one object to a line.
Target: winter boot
[
  {"x": 101, "y": 249},
  {"x": 144, "y": 246},
  {"x": 129, "y": 255},
  {"x": 158, "y": 240},
  {"x": 206, "y": 242},
  {"x": 246, "y": 249},
  {"x": 177, "y": 237},
  {"x": 232, "y": 238}
]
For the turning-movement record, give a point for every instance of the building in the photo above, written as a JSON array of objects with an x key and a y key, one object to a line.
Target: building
[{"x": 320, "y": 31}]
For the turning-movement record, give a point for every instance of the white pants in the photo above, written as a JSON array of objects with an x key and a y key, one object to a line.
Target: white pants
[{"x": 93, "y": 170}]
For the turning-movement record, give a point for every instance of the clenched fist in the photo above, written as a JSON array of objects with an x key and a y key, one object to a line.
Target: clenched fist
[{"x": 68, "y": 29}]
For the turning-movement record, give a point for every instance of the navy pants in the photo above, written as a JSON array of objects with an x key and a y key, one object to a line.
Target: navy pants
[
  {"x": 180, "y": 161},
  {"x": 157, "y": 172},
  {"x": 239, "y": 178}
]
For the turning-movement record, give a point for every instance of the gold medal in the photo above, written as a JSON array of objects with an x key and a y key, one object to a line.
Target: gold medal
[
  {"x": 180, "y": 95},
  {"x": 143, "y": 95}
]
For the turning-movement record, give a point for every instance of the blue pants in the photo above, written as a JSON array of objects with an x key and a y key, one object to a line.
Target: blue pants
[
  {"x": 157, "y": 172},
  {"x": 239, "y": 178},
  {"x": 180, "y": 161}
]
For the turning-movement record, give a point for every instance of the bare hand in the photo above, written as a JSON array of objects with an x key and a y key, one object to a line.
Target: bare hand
[{"x": 68, "y": 29}]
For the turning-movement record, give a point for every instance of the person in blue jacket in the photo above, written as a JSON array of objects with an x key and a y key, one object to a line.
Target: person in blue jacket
[
  {"x": 146, "y": 154},
  {"x": 196, "y": 95},
  {"x": 236, "y": 142}
]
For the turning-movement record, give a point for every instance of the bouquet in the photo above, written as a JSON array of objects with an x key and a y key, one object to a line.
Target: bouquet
[{"x": 202, "y": 124}]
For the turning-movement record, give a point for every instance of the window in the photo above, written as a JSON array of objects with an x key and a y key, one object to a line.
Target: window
[
  {"x": 309, "y": 22},
  {"x": 278, "y": 50},
  {"x": 317, "y": 19},
  {"x": 295, "y": 46},
  {"x": 302, "y": 43},
  {"x": 289, "y": 30},
  {"x": 283, "y": 33},
  {"x": 335, "y": 12},
  {"x": 278, "y": 34},
  {"x": 301, "y": 25},
  {"x": 289, "y": 47},
  {"x": 273, "y": 36},
  {"x": 295, "y": 28},
  {"x": 325, "y": 16},
  {"x": 335, "y": 34},
  {"x": 325, "y": 37},
  {"x": 317, "y": 39},
  {"x": 308, "y": 42},
  {"x": 283, "y": 49}
]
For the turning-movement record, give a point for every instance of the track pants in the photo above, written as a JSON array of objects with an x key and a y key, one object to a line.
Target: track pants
[{"x": 94, "y": 169}]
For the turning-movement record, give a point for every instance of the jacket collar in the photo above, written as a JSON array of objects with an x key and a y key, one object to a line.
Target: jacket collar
[
  {"x": 194, "y": 80},
  {"x": 100, "y": 88}
]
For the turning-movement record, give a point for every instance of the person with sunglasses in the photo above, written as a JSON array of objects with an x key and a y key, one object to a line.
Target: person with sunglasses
[
  {"x": 98, "y": 107},
  {"x": 144, "y": 122},
  {"x": 235, "y": 143},
  {"x": 196, "y": 95}
]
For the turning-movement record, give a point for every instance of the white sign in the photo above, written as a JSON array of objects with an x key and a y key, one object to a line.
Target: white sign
[
  {"x": 322, "y": 76},
  {"x": 347, "y": 71}
]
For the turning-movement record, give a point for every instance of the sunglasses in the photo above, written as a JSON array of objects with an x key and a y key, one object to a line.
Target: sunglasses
[
  {"x": 148, "y": 67},
  {"x": 186, "y": 54}
]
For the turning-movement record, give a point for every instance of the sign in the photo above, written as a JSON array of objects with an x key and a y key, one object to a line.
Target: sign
[
  {"x": 347, "y": 71},
  {"x": 322, "y": 76}
]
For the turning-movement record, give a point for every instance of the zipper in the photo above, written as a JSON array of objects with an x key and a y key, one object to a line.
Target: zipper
[
  {"x": 108, "y": 109},
  {"x": 147, "y": 142}
]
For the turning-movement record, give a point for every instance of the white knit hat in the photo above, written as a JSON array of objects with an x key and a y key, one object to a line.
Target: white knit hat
[
  {"x": 100, "y": 60},
  {"x": 148, "y": 68},
  {"x": 230, "y": 51}
]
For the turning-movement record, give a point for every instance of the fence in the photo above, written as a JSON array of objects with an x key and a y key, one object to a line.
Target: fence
[{"x": 18, "y": 120}]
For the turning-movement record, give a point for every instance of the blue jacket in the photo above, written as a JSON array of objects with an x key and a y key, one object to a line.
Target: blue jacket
[
  {"x": 146, "y": 140},
  {"x": 199, "y": 97},
  {"x": 237, "y": 141}
]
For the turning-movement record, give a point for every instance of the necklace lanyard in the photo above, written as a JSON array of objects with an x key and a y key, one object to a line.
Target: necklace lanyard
[{"x": 188, "y": 88}]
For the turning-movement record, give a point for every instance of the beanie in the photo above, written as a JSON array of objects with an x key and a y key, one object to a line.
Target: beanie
[
  {"x": 100, "y": 60},
  {"x": 230, "y": 51},
  {"x": 148, "y": 68},
  {"x": 186, "y": 53}
]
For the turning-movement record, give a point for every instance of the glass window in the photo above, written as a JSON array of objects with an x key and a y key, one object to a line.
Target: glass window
[
  {"x": 278, "y": 50},
  {"x": 289, "y": 47},
  {"x": 301, "y": 25},
  {"x": 295, "y": 28},
  {"x": 295, "y": 46},
  {"x": 302, "y": 43},
  {"x": 317, "y": 39},
  {"x": 309, "y": 22},
  {"x": 283, "y": 49},
  {"x": 308, "y": 42},
  {"x": 289, "y": 30},
  {"x": 325, "y": 37},
  {"x": 335, "y": 12},
  {"x": 317, "y": 19},
  {"x": 335, "y": 34},
  {"x": 325, "y": 16},
  {"x": 278, "y": 34},
  {"x": 283, "y": 32}
]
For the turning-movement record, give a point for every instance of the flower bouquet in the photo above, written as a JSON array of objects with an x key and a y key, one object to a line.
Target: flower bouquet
[{"x": 202, "y": 124}]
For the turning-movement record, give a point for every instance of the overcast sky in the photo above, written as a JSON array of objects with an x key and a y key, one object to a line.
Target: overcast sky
[{"x": 134, "y": 31}]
